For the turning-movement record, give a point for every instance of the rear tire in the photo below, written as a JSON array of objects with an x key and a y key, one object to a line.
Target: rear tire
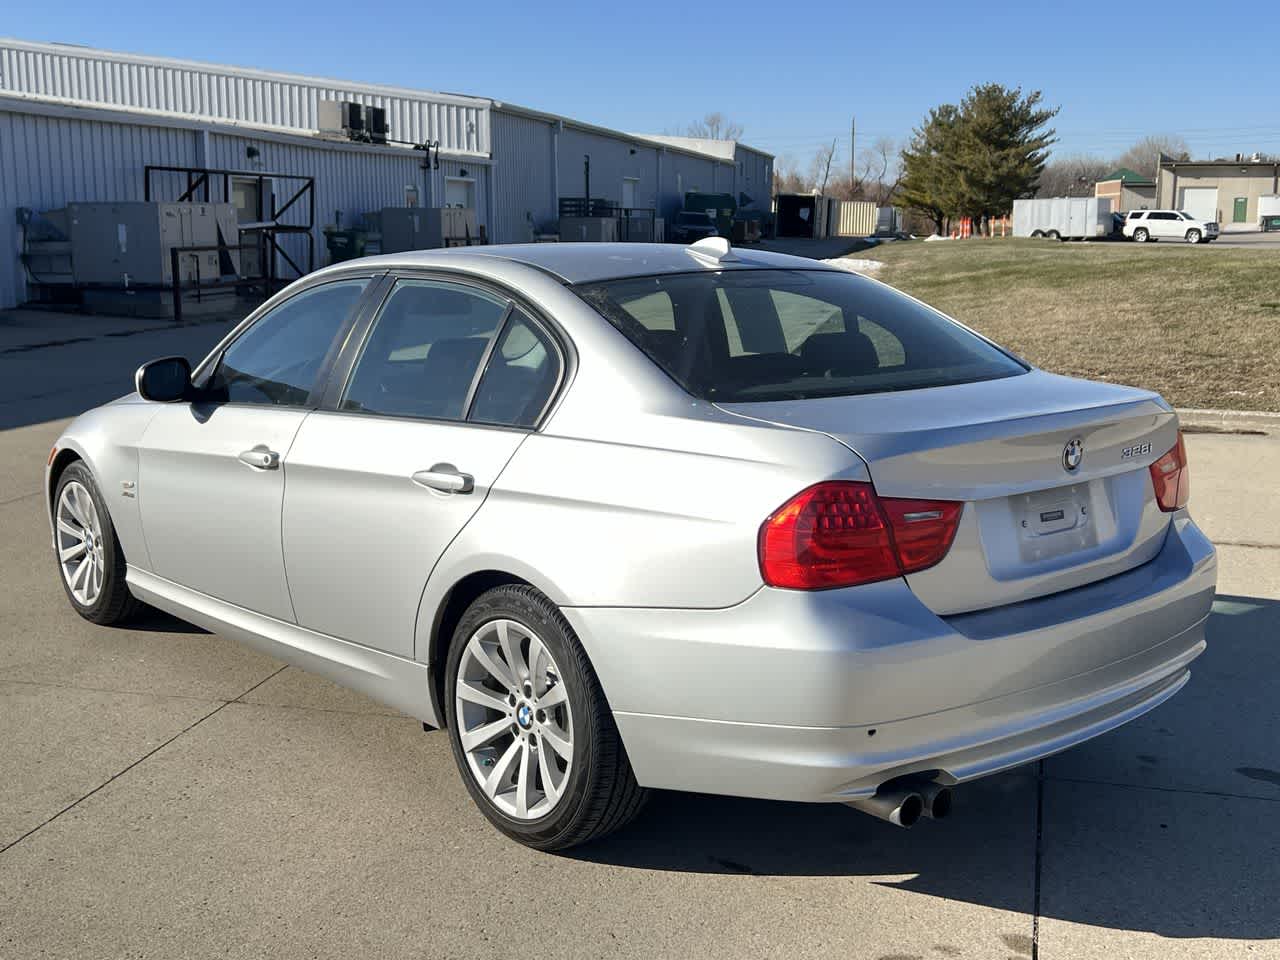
[
  {"x": 1053, "y": 235},
  {"x": 91, "y": 565},
  {"x": 542, "y": 757},
  {"x": 1193, "y": 236},
  {"x": 1037, "y": 234},
  {"x": 1140, "y": 235}
]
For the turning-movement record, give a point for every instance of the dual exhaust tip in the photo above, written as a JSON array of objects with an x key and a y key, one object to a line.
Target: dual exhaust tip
[{"x": 904, "y": 803}]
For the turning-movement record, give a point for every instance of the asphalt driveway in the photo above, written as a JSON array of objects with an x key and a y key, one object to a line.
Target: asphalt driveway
[{"x": 167, "y": 792}]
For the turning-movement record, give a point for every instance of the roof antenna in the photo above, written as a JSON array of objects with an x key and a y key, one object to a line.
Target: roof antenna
[{"x": 713, "y": 250}]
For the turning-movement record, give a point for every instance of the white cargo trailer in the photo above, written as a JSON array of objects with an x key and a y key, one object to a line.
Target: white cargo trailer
[{"x": 1062, "y": 218}]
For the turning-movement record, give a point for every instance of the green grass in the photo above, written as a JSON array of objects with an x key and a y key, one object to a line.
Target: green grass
[{"x": 1199, "y": 325}]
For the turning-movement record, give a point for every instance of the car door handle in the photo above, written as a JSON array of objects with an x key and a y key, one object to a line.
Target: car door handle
[
  {"x": 261, "y": 458},
  {"x": 446, "y": 478}
]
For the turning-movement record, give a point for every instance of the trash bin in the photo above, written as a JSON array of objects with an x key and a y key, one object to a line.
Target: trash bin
[{"x": 345, "y": 244}]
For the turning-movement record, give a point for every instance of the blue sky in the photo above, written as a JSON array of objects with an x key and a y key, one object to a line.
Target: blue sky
[{"x": 792, "y": 74}]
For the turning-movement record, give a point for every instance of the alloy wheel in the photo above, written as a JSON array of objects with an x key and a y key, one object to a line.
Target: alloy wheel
[
  {"x": 81, "y": 554},
  {"x": 1193, "y": 236},
  {"x": 514, "y": 721}
]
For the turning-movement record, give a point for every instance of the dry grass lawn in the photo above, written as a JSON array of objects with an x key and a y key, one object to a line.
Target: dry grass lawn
[{"x": 1200, "y": 325}]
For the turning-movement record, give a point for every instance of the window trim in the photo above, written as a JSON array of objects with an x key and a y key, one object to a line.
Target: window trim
[
  {"x": 344, "y": 367},
  {"x": 209, "y": 365}
]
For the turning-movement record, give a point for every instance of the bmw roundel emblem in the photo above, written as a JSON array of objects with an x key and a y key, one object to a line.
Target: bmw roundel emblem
[
  {"x": 1073, "y": 454},
  {"x": 524, "y": 716}
]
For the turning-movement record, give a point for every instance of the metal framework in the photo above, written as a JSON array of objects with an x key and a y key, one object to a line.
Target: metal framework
[{"x": 198, "y": 178}]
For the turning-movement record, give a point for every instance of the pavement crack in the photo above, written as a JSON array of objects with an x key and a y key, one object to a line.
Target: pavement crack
[
  {"x": 1225, "y": 794},
  {"x": 23, "y": 496},
  {"x": 150, "y": 753},
  {"x": 1035, "y": 903},
  {"x": 1251, "y": 544}
]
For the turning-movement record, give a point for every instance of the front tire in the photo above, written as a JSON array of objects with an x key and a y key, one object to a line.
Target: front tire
[
  {"x": 90, "y": 561},
  {"x": 531, "y": 732},
  {"x": 1193, "y": 236}
]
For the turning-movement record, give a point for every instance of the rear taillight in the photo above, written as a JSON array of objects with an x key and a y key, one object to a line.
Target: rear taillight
[
  {"x": 1171, "y": 477},
  {"x": 838, "y": 534}
]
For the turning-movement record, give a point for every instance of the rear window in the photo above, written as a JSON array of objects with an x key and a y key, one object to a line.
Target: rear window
[
  {"x": 751, "y": 335},
  {"x": 1137, "y": 215}
]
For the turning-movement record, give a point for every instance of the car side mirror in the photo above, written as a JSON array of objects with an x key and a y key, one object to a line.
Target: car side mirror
[{"x": 164, "y": 380}]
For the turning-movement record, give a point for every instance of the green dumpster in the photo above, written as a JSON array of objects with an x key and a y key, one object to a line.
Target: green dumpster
[{"x": 345, "y": 244}]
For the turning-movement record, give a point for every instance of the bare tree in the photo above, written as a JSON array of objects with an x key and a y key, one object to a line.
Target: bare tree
[
  {"x": 1144, "y": 156},
  {"x": 876, "y": 180},
  {"x": 1073, "y": 176},
  {"x": 822, "y": 166},
  {"x": 715, "y": 126},
  {"x": 788, "y": 179}
]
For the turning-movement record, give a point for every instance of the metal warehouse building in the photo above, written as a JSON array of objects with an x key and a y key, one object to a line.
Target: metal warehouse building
[{"x": 81, "y": 126}]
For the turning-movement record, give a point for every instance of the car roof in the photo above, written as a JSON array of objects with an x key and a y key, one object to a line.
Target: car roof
[{"x": 575, "y": 263}]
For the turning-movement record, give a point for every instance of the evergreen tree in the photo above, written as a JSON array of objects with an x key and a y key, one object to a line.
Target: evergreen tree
[{"x": 974, "y": 160}]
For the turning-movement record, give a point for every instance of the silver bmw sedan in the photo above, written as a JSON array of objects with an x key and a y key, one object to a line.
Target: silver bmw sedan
[{"x": 630, "y": 516}]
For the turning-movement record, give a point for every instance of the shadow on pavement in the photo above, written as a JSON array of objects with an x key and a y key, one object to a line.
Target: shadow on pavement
[
  {"x": 1121, "y": 848},
  {"x": 151, "y": 620}
]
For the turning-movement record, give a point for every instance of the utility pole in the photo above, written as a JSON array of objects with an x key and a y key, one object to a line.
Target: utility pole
[{"x": 853, "y": 154}]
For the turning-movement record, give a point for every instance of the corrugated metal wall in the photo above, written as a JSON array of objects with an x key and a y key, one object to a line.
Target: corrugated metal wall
[
  {"x": 754, "y": 178},
  {"x": 91, "y": 77},
  {"x": 47, "y": 162},
  {"x": 350, "y": 182},
  {"x": 856, "y": 218},
  {"x": 524, "y": 178}
]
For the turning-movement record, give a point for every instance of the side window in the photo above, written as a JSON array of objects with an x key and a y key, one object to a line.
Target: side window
[
  {"x": 520, "y": 377},
  {"x": 425, "y": 348},
  {"x": 276, "y": 361}
]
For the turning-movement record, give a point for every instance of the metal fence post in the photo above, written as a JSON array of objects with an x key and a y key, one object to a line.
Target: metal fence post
[{"x": 176, "y": 279}]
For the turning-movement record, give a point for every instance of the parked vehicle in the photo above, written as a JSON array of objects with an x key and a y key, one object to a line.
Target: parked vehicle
[
  {"x": 1144, "y": 225},
  {"x": 689, "y": 226},
  {"x": 626, "y": 516},
  {"x": 1062, "y": 218}
]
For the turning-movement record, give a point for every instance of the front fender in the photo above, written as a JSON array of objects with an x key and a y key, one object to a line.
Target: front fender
[{"x": 106, "y": 439}]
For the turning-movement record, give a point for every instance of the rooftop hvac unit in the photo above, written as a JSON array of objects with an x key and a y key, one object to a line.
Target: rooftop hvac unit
[
  {"x": 344, "y": 119},
  {"x": 375, "y": 124}
]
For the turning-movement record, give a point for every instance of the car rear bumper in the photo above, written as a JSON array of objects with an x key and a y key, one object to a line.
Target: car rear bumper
[{"x": 824, "y": 696}]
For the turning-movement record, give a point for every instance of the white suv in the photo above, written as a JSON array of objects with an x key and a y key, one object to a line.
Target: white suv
[{"x": 1144, "y": 225}]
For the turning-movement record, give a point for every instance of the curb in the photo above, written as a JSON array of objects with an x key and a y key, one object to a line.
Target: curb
[{"x": 1229, "y": 421}]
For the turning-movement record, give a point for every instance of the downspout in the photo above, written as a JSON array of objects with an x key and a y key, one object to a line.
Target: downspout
[{"x": 555, "y": 168}]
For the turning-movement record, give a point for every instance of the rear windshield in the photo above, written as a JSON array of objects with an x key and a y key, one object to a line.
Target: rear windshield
[{"x": 752, "y": 335}]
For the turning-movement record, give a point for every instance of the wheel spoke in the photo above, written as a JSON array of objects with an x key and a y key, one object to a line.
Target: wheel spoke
[
  {"x": 549, "y": 774},
  {"x": 82, "y": 572},
  {"x": 473, "y": 693},
  {"x": 500, "y": 769},
  {"x": 538, "y": 659},
  {"x": 558, "y": 743},
  {"x": 492, "y": 664},
  {"x": 71, "y": 552},
  {"x": 482, "y": 735},
  {"x": 72, "y": 499},
  {"x": 524, "y": 782},
  {"x": 553, "y": 697},
  {"x": 511, "y": 650},
  {"x": 69, "y": 530}
]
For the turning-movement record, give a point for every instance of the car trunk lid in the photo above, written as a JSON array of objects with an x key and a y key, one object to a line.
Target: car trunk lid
[{"x": 1031, "y": 524}]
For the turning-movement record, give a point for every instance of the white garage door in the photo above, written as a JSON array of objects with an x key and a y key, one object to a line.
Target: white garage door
[{"x": 1201, "y": 202}]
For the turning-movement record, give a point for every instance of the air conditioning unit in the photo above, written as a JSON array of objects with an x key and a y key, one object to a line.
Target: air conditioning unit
[
  {"x": 343, "y": 118},
  {"x": 375, "y": 124}
]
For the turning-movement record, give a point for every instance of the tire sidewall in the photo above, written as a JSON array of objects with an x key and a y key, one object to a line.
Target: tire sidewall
[
  {"x": 542, "y": 618},
  {"x": 112, "y": 556},
  {"x": 1140, "y": 235}
]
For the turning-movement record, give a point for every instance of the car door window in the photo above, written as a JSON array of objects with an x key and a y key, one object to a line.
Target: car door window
[
  {"x": 424, "y": 351},
  {"x": 521, "y": 375},
  {"x": 276, "y": 360}
]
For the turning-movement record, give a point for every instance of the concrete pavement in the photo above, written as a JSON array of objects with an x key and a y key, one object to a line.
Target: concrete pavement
[{"x": 172, "y": 793}]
